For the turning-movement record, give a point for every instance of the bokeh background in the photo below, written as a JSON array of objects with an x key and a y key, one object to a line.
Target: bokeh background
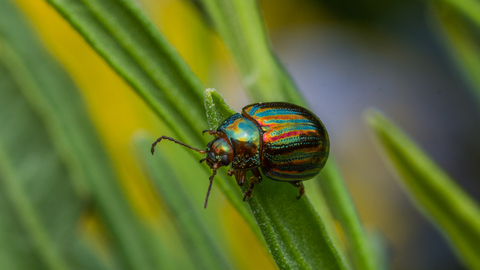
[{"x": 345, "y": 56}]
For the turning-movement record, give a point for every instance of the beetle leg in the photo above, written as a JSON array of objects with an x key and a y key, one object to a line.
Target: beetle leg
[
  {"x": 240, "y": 176},
  {"x": 230, "y": 172},
  {"x": 248, "y": 194},
  {"x": 257, "y": 174},
  {"x": 211, "y": 132},
  {"x": 299, "y": 184}
]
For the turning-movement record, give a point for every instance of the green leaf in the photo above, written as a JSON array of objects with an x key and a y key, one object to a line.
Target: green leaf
[
  {"x": 190, "y": 223},
  {"x": 470, "y": 9},
  {"x": 240, "y": 27},
  {"x": 239, "y": 24},
  {"x": 462, "y": 42},
  {"x": 217, "y": 109},
  {"x": 53, "y": 95},
  {"x": 292, "y": 229},
  {"x": 452, "y": 210},
  {"x": 341, "y": 205},
  {"x": 132, "y": 46},
  {"x": 332, "y": 226},
  {"x": 38, "y": 204}
]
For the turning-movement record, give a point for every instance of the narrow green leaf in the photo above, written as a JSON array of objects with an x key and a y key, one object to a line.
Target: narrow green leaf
[
  {"x": 240, "y": 27},
  {"x": 217, "y": 109},
  {"x": 332, "y": 226},
  {"x": 452, "y": 210},
  {"x": 292, "y": 229},
  {"x": 38, "y": 204},
  {"x": 462, "y": 41},
  {"x": 468, "y": 8},
  {"x": 239, "y": 24},
  {"x": 54, "y": 96},
  {"x": 341, "y": 205},
  {"x": 192, "y": 228},
  {"x": 132, "y": 46}
]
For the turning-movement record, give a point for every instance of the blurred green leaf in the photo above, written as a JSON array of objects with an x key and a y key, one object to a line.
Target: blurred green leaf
[
  {"x": 132, "y": 46},
  {"x": 38, "y": 203},
  {"x": 135, "y": 49},
  {"x": 343, "y": 209},
  {"x": 462, "y": 41},
  {"x": 439, "y": 197},
  {"x": 469, "y": 9},
  {"x": 240, "y": 27},
  {"x": 54, "y": 97},
  {"x": 192, "y": 228},
  {"x": 292, "y": 230}
]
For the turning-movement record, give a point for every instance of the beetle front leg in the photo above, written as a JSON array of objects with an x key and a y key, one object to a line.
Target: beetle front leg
[
  {"x": 299, "y": 184},
  {"x": 240, "y": 176},
  {"x": 212, "y": 132}
]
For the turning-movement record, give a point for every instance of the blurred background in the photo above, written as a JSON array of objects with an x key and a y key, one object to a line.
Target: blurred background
[{"x": 345, "y": 56}]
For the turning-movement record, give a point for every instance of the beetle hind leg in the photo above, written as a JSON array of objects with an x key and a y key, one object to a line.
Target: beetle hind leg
[{"x": 299, "y": 184}]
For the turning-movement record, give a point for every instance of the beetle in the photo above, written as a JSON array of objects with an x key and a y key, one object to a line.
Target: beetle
[{"x": 287, "y": 142}]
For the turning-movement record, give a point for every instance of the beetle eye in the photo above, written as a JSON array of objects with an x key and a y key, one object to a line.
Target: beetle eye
[{"x": 225, "y": 160}]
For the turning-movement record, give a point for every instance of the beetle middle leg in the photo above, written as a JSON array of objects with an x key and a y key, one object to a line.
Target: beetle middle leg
[
  {"x": 299, "y": 184},
  {"x": 240, "y": 176},
  {"x": 255, "y": 179}
]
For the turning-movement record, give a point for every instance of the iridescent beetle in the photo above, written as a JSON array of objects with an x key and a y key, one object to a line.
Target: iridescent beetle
[{"x": 289, "y": 143}]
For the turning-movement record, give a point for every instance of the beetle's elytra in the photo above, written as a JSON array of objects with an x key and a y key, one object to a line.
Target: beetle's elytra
[{"x": 287, "y": 142}]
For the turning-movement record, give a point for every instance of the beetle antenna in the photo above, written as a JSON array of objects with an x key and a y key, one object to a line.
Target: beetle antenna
[
  {"x": 175, "y": 141},
  {"x": 210, "y": 185}
]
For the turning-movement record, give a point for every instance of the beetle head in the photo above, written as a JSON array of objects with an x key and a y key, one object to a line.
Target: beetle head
[{"x": 219, "y": 153}]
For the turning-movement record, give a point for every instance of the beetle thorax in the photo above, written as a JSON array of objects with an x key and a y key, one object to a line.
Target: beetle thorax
[{"x": 220, "y": 152}]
